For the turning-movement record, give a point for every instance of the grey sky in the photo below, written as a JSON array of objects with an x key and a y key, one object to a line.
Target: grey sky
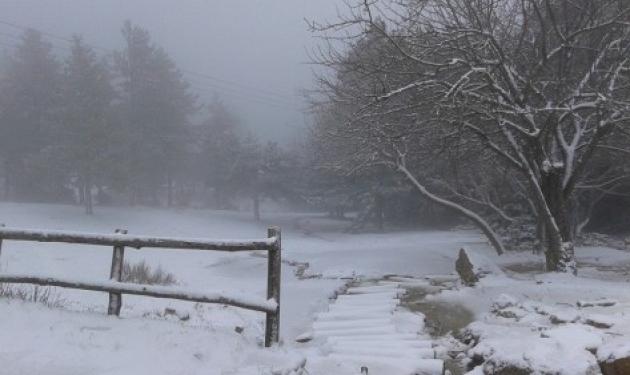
[{"x": 254, "y": 43}]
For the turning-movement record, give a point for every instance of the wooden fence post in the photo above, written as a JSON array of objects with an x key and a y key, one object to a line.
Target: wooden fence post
[
  {"x": 274, "y": 265},
  {"x": 118, "y": 258}
]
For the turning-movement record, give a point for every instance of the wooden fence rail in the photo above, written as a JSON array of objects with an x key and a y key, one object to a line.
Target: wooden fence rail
[{"x": 116, "y": 288}]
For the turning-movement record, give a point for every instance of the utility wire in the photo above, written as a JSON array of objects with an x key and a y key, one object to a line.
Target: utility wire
[
  {"x": 238, "y": 94},
  {"x": 265, "y": 94}
]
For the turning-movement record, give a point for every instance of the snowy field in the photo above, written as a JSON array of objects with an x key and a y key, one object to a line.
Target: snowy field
[
  {"x": 203, "y": 339},
  {"x": 106, "y": 345}
]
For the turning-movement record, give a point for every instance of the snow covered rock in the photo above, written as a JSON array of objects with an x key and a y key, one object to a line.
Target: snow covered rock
[
  {"x": 597, "y": 303},
  {"x": 600, "y": 321},
  {"x": 507, "y": 307},
  {"x": 504, "y": 301},
  {"x": 513, "y": 349}
]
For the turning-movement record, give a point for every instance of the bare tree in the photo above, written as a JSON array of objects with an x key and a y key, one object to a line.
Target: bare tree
[{"x": 539, "y": 84}]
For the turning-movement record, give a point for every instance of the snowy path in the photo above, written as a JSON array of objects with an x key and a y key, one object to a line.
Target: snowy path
[{"x": 366, "y": 328}]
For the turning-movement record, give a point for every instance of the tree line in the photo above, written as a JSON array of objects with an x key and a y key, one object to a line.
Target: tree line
[
  {"x": 507, "y": 113},
  {"x": 125, "y": 128}
]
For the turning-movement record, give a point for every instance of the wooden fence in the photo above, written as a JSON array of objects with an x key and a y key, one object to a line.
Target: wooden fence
[{"x": 120, "y": 240}]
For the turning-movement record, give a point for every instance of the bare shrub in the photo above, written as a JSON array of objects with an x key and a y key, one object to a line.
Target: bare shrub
[
  {"x": 37, "y": 294},
  {"x": 141, "y": 273}
]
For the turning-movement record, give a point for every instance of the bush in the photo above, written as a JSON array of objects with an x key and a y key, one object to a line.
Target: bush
[
  {"x": 35, "y": 293},
  {"x": 141, "y": 273}
]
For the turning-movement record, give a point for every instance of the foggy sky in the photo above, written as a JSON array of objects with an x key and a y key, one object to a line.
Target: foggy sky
[{"x": 252, "y": 43}]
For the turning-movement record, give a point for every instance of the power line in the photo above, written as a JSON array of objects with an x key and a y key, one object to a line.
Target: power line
[
  {"x": 237, "y": 86},
  {"x": 15, "y": 37},
  {"x": 204, "y": 86},
  {"x": 21, "y": 27},
  {"x": 224, "y": 81},
  {"x": 257, "y": 99}
]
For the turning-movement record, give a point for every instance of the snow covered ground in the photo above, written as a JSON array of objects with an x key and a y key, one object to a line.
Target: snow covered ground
[
  {"x": 210, "y": 339},
  {"x": 548, "y": 323},
  {"x": 113, "y": 346}
]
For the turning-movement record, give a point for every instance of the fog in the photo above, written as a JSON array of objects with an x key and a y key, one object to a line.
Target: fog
[
  {"x": 429, "y": 186},
  {"x": 254, "y": 52}
]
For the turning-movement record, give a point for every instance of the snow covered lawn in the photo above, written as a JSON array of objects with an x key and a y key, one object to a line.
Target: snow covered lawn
[
  {"x": 527, "y": 318},
  {"x": 157, "y": 331},
  {"x": 37, "y": 340}
]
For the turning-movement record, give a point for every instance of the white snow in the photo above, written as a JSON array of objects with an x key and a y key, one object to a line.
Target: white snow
[
  {"x": 344, "y": 333},
  {"x": 146, "y": 334},
  {"x": 539, "y": 326}
]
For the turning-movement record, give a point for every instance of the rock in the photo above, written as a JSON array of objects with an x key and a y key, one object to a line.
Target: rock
[
  {"x": 620, "y": 366},
  {"x": 503, "y": 301},
  {"x": 599, "y": 321},
  {"x": 598, "y": 303},
  {"x": 184, "y": 317},
  {"x": 465, "y": 269},
  {"x": 502, "y": 369},
  {"x": 563, "y": 318},
  {"x": 614, "y": 357},
  {"x": 507, "y": 307},
  {"x": 509, "y": 313},
  {"x": 170, "y": 311},
  {"x": 305, "y": 337}
]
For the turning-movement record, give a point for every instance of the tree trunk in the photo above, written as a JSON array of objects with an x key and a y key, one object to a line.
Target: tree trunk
[
  {"x": 256, "y": 199},
  {"x": 169, "y": 194},
  {"x": 541, "y": 235},
  {"x": 378, "y": 211},
  {"x": 155, "y": 200},
  {"x": 81, "y": 192},
  {"x": 87, "y": 196},
  {"x": 559, "y": 224},
  {"x": 8, "y": 181}
]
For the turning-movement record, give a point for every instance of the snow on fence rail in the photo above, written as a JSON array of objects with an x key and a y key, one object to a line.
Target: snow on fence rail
[{"x": 115, "y": 288}]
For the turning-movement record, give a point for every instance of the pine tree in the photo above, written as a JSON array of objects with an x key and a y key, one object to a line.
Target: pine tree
[
  {"x": 30, "y": 102},
  {"x": 220, "y": 155},
  {"x": 88, "y": 132},
  {"x": 157, "y": 104}
]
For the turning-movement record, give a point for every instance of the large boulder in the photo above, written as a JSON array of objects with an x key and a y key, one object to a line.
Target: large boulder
[
  {"x": 619, "y": 366},
  {"x": 466, "y": 269},
  {"x": 614, "y": 357}
]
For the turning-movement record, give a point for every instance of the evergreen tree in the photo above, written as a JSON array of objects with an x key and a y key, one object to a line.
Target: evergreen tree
[
  {"x": 29, "y": 119},
  {"x": 157, "y": 104},
  {"x": 88, "y": 132},
  {"x": 220, "y": 156}
]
